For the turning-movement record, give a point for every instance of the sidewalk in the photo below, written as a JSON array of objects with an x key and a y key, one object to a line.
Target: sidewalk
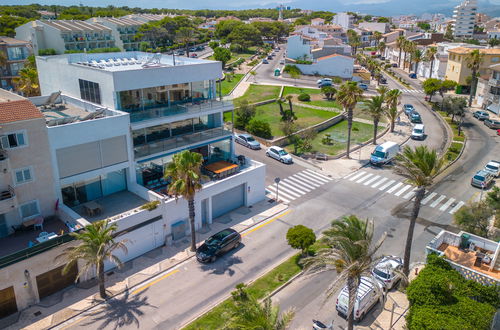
[
  {"x": 338, "y": 168},
  {"x": 70, "y": 302}
]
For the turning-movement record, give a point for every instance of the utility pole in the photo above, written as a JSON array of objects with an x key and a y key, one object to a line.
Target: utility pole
[{"x": 277, "y": 180}]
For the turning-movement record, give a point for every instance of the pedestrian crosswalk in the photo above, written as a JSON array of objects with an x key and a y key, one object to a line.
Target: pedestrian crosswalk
[
  {"x": 297, "y": 185},
  {"x": 403, "y": 190},
  {"x": 412, "y": 91}
]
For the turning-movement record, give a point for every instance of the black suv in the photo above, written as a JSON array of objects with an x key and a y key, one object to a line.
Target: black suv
[{"x": 218, "y": 244}]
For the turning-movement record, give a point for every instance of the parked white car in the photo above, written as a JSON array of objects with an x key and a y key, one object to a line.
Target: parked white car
[
  {"x": 387, "y": 271},
  {"x": 368, "y": 294},
  {"x": 279, "y": 154},
  {"x": 247, "y": 140},
  {"x": 493, "y": 167}
]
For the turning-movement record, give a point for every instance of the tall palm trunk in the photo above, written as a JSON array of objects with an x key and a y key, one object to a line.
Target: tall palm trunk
[
  {"x": 349, "y": 127},
  {"x": 291, "y": 106},
  {"x": 375, "y": 129},
  {"x": 473, "y": 85},
  {"x": 419, "y": 195},
  {"x": 350, "y": 309},
  {"x": 100, "y": 279},
  {"x": 399, "y": 58},
  {"x": 191, "y": 224},
  {"x": 430, "y": 72}
]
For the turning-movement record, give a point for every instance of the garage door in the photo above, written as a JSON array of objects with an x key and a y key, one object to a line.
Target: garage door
[
  {"x": 53, "y": 281},
  {"x": 228, "y": 201},
  {"x": 8, "y": 303},
  {"x": 138, "y": 242}
]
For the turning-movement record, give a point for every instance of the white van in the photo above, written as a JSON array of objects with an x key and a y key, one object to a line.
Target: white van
[
  {"x": 418, "y": 132},
  {"x": 368, "y": 294},
  {"x": 384, "y": 153}
]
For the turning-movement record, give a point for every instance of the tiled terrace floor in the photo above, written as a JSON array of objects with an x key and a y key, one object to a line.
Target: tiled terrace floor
[{"x": 467, "y": 259}]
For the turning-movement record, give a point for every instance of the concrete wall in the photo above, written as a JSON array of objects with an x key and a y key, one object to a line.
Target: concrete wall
[
  {"x": 338, "y": 66},
  {"x": 36, "y": 155},
  {"x": 296, "y": 49},
  {"x": 41, "y": 36}
]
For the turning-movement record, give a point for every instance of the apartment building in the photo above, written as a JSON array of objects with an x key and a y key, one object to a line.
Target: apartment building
[
  {"x": 371, "y": 26},
  {"x": 123, "y": 31},
  {"x": 345, "y": 20},
  {"x": 465, "y": 17},
  {"x": 457, "y": 69},
  {"x": 15, "y": 52},
  {"x": 488, "y": 90},
  {"x": 300, "y": 47},
  {"x": 145, "y": 18},
  {"x": 65, "y": 35}
]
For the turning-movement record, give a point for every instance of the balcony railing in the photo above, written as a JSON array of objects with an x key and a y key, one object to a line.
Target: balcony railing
[
  {"x": 8, "y": 200},
  {"x": 494, "y": 82},
  {"x": 179, "y": 141},
  {"x": 187, "y": 108},
  {"x": 493, "y": 98},
  {"x": 4, "y": 161}
]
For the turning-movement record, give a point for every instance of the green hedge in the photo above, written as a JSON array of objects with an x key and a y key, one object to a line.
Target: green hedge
[{"x": 440, "y": 298}]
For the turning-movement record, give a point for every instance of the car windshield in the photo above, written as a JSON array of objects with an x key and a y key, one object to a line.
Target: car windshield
[
  {"x": 478, "y": 177},
  {"x": 381, "y": 273},
  {"x": 249, "y": 138},
  {"x": 212, "y": 241},
  {"x": 492, "y": 167},
  {"x": 415, "y": 115},
  {"x": 418, "y": 131},
  {"x": 282, "y": 152},
  {"x": 379, "y": 154}
]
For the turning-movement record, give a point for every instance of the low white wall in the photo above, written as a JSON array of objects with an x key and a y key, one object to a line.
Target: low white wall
[{"x": 338, "y": 66}]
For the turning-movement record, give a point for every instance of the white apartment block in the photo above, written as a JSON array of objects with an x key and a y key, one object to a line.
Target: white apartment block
[
  {"x": 465, "y": 16},
  {"x": 300, "y": 47},
  {"x": 65, "y": 35},
  {"x": 344, "y": 20},
  {"x": 123, "y": 31}
]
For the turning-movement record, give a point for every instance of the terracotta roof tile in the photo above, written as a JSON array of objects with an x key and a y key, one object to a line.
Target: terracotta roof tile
[
  {"x": 18, "y": 110},
  {"x": 465, "y": 50},
  {"x": 330, "y": 56}
]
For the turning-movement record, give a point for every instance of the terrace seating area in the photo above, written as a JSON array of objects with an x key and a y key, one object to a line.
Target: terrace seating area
[{"x": 474, "y": 258}]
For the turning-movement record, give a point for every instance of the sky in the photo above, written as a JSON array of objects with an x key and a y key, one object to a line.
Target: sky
[{"x": 377, "y": 7}]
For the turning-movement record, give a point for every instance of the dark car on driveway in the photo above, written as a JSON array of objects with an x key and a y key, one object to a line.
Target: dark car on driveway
[
  {"x": 491, "y": 123},
  {"x": 218, "y": 244},
  {"x": 413, "y": 75}
]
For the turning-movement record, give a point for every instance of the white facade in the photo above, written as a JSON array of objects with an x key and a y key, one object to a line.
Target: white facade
[
  {"x": 123, "y": 31},
  {"x": 370, "y": 26},
  {"x": 344, "y": 20},
  {"x": 465, "y": 16},
  {"x": 333, "y": 65},
  {"x": 298, "y": 47}
]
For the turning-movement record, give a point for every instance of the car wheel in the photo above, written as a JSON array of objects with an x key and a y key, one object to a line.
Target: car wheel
[
  {"x": 268, "y": 155},
  {"x": 281, "y": 160},
  {"x": 237, "y": 245}
]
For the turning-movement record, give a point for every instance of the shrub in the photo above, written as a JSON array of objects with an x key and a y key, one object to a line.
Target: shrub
[
  {"x": 150, "y": 206},
  {"x": 47, "y": 51},
  {"x": 303, "y": 62},
  {"x": 106, "y": 50},
  {"x": 259, "y": 128},
  {"x": 300, "y": 237},
  {"x": 337, "y": 80},
  {"x": 304, "y": 97}
]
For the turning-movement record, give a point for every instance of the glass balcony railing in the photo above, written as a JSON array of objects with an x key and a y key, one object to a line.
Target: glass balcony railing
[
  {"x": 186, "y": 108},
  {"x": 179, "y": 141}
]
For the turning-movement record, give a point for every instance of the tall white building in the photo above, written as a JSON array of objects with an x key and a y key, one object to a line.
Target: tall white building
[
  {"x": 465, "y": 16},
  {"x": 343, "y": 19}
]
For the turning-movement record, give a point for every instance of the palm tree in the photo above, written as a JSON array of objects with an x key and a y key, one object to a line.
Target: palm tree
[
  {"x": 381, "y": 48},
  {"x": 185, "y": 174},
  {"x": 375, "y": 107},
  {"x": 382, "y": 90},
  {"x": 185, "y": 35},
  {"x": 348, "y": 96},
  {"x": 411, "y": 48},
  {"x": 280, "y": 103},
  {"x": 392, "y": 100},
  {"x": 408, "y": 49},
  {"x": 97, "y": 245},
  {"x": 474, "y": 60},
  {"x": 400, "y": 42},
  {"x": 350, "y": 253},
  {"x": 419, "y": 166},
  {"x": 417, "y": 58},
  {"x": 27, "y": 82},
  {"x": 430, "y": 55},
  {"x": 290, "y": 98},
  {"x": 376, "y": 36}
]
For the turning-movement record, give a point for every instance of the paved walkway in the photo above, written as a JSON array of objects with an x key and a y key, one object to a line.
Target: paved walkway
[
  {"x": 310, "y": 106},
  {"x": 70, "y": 302}
]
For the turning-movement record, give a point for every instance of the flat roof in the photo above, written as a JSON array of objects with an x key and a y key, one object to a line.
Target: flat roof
[{"x": 75, "y": 26}]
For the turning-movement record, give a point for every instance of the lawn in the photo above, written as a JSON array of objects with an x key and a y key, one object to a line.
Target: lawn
[
  {"x": 257, "y": 93},
  {"x": 216, "y": 318},
  {"x": 235, "y": 56},
  {"x": 227, "y": 86},
  {"x": 317, "y": 98},
  {"x": 297, "y": 90},
  {"x": 361, "y": 132},
  {"x": 359, "y": 112}
]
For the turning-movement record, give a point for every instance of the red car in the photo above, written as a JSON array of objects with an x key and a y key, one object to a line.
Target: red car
[{"x": 498, "y": 131}]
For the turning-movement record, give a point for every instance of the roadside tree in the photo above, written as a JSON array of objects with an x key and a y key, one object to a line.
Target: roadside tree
[
  {"x": 375, "y": 108},
  {"x": 223, "y": 55},
  {"x": 431, "y": 86},
  {"x": 300, "y": 237},
  {"x": 474, "y": 218},
  {"x": 243, "y": 114},
  {"x": 474, "y": 61},
  {"x": 392, "y": 99},
  {"x": 348, "y": 95}
]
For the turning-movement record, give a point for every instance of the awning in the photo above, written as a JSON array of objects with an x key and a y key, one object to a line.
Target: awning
[{"x": 494, "y": 107}]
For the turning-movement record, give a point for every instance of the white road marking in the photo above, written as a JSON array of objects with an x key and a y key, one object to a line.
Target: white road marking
[
  {"x": 294, "y": 189},
  {"x": 384, "y": 187},
  {"x": 314, "y": 177},
  {"x": 399, "y": 184},
  {"x": 286, "y": 190},
  {"x": 437, "y": 201},
  {"x": 378, "y": 183},
  {"x": 428, "y": 198},
  {"x": 296, "y": 186},
  {"x": 301, "y": 183},
  {"x": 371, "y": 180},
  {"x": 364, "y": 178},
  {"x": 281, "y": 193},
  {"x": 405, "y": 188},
  {"x": 447, "y": 204},
  {"x": 456, "y": 207},
  {"x": 354, "y": 177},
  {"x": 309, "y": 179},
  {"x": 410, "y": 194},
  {"x": 319, "y": 175}
]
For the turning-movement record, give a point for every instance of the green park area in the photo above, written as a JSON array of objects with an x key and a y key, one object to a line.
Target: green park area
[
  {"x": 258, "y": 93},
  {"x": 229, "y": 82}
]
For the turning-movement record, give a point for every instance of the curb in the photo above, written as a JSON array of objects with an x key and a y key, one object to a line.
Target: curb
[{"x": 147, "y": 279}]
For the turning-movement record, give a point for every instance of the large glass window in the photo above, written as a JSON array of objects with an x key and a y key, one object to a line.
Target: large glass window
[
  {"x": 220, "y": 151},
  {"x": 182, "y": 127},
  {"x": 90, "y": 91},
  {"x": 15, "y": 67},
  {"x": 159, "y": 132},
  {"x": 17, "y": 53},
  {"x": 29, "y": 209}
]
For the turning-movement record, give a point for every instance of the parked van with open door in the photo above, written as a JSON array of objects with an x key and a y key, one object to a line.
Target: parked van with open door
[
  {"x": 368, "y": 294},
  {"x": 384, "y": 153}
]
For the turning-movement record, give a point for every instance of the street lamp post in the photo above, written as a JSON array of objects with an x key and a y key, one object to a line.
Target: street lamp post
[{"x": 277, "y": 180}]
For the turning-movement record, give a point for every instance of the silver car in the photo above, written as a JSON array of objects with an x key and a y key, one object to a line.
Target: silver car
[
  {"x": 482, "y": 179},
  {"x": 279, "y": 154},
  {"x": 388, "y": 271},
  {"x": 247, "y": 140}
]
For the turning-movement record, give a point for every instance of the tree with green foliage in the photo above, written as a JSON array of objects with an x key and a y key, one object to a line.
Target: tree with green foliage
[
  {"x": 424, "y": 26},
  {"x": 474, "y": 218},
  {"x": 213, "y": 44},
  {"x": 96, "y": 244},
  {"x": 328, "y": 92},
  {"x": 243, "y": 114},
  {"x": 300, "y": 237},
  {"x": 492, "y": 42},
  {"x": 245, "y": 35},
  {"x": 47, "y": 51},
  {"x": 223, "y": 55},
  {"x": 419, "y": 166},
  {"x": 185, "y": 36},
  {"x": 350, "y": 252},
  {"x": 392, "y": 100},
  {"x": 259, "y": 128},
  {"x": 431, "y": 86},
  {"x": 8, "y": 23},
  {"x": 375, "y": 108},
  {"x": 429, "y": 56},
  {"x": 474, "y": 61},
  {"x": 348, "y": 95},
  {"x": 400, "y": 44},
  {"x": 448, "y": 35},
  {"x": 184, "y": 173},
  {"x": 454, "y": 106}
]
